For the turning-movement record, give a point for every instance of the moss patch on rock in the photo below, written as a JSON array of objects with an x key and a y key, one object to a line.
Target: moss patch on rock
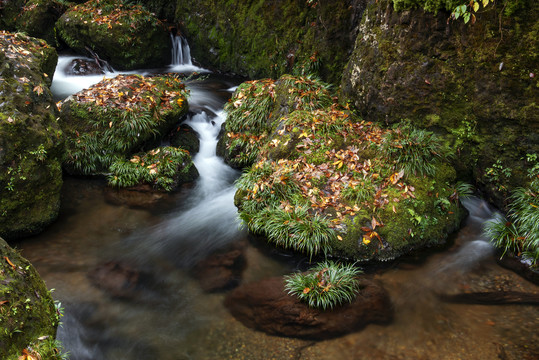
[
  {"x": 162, "y": 168},
  {"x": 475, "y": 85},
  {"x": 128, "y": 36},
  {"x": 38, "y": 18},
  {"x": 325, "y": 182},
  {"x": 117, "y": 117},
  {"x": 28, "y": 316},
  {"x": 259, "y": 39},
  {"x": 31, "y": 142}
]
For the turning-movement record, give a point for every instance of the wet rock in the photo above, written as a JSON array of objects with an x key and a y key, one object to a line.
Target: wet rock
[
  {"x": 38, "y": 17},
  {"x": 512, "y": 262},
  {"x": 184, "y": 136},
  {"x": 84, "y": 67},
  {"x": 265, "y": 306},
  {"x": 220, "y": 271}
]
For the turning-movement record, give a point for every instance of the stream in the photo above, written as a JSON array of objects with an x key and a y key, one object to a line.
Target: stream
[{"x": 168, "y": 315}]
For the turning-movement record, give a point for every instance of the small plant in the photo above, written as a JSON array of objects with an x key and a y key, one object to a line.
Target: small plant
[
  {"x": 158, "y": 168},
  {"x": 414, "y": 150},
  {"x": 519, "y": 233},
  {"x": 327, "y": 285}
]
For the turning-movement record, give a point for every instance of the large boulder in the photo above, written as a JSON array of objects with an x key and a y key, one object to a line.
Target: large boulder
[
  {"x": 31, "y": 141},
  {"x": 258, "y": 39},
  {"x": 9, "y": 10},
  {"x": 321, "y": 181},
  {"x": 28, "y": 316},
  {"x": 128, "y": 36},
  {"x": 475, "y": 84},
  {"x": 265, "y": 306},
  {"x": 118, "y": 117},
  {"x": 38, "y": 17}
]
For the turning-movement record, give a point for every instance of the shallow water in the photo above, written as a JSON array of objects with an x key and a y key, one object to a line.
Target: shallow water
[{"x": 170, "y": 317}]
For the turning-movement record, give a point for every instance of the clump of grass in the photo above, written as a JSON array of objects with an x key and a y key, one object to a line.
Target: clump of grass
[
  {"x": 414, "y": 150},
  {"x": 519, "y": 232},
  {"x": 159, "y": 168},
  {"x": 327, "y": 285}
]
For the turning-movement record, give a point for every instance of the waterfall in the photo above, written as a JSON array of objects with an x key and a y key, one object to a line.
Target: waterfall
[{"x": 181, "y": 54}]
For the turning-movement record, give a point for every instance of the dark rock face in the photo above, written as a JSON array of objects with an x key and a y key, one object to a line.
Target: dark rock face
[
  {"x": 38, "y": 17},
  {"x": 31, "y": 142},
  {"x": 266, "y": 307},
  {"x": 469, "y": 83}
]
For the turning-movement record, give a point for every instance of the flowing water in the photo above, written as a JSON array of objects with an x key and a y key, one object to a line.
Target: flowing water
[{"x": 167, "y": 315}]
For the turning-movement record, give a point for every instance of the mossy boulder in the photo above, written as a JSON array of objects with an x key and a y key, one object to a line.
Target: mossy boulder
[
  {"x": 28, "y": 317},
  {"x": 38, "y": 17},
  {"x": 31, "y": 141},
  {"x": 256, "y": 106},
  {"x": 128, "y": 36},
  {"x": 118, "y": 117},
  {"x": 258, "y": 39},
  {"x": 476, "y": 85},
  {"x": 9, "y": 10},
  {"x": 325, "y": 182},
  {"x": 162, "y": 169}
]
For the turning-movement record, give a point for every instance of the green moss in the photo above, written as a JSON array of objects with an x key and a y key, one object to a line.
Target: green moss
[
  {"x": 28, "y": 317},
  {"x": 128, "y": 36},
  {"x": 258, "y": 39}
]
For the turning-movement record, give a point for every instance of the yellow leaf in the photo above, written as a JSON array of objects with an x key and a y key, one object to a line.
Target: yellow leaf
[
  {"x": 475, "y": 6},
  {"x": 366, "y": 240},
  {"x": 339, "y": 237}
]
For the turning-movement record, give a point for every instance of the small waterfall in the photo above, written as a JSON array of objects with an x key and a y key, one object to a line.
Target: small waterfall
[{"x": 181, "y": 54}]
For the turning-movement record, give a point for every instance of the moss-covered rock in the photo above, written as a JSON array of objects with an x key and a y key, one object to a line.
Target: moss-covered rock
[
  {"x": 38, "y": 17},
  {"x": 31, "y": 142},
  {"x": 128, "y": 36},
  {"x": 256, "y": 106},
  {"x": 258, "y": 39},
  {"x": 28, "y": 317},
  {"x": 476, "y": 85},
  {"x": 118, "y": 117},
  {"x": 9, "y": 10},
  {"x": 325, "y": 182},
  {"x": 162, "y": 169},
  {"x": 185, "y": 137}
]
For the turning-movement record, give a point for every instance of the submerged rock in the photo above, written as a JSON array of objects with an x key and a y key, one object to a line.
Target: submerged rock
[
  {"x": 265, "y": 306},
  {"x": 128, "y": 36},
  {"x": 31, "y": 141},
  {"x": 28, "y": 317},
  {"x": 221, "y": 270}
]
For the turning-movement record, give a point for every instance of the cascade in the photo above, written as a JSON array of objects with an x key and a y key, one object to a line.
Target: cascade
[{"x": 181, "y": 54}]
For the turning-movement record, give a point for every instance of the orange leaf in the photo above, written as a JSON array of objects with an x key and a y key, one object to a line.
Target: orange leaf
[{"x": 10, "y": 263}]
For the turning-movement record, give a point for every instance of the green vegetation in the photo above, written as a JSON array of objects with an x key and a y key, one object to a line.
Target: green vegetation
[
  {"x": 117, "y": 117},
  {"x": 519, "y": 233},
  {"x": 414, "y": 150},
  {"x": 326, "y": 285},
  {"x": 162, "y": 168},
  {"x": 326, "y": 183}
]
